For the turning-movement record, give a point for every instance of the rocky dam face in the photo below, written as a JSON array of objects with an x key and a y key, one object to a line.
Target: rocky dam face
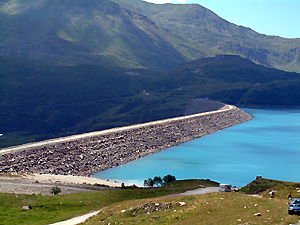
[{"x": 94, "y": 152}]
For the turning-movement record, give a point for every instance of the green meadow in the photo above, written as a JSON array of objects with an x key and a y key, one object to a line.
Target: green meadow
[{"x": 139, "y": 205}]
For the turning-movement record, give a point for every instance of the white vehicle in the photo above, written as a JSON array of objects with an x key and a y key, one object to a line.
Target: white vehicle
[{"x": 225, "y": 187}]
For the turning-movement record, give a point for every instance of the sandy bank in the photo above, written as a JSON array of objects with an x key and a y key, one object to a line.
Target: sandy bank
[
  {"x": 70, "y": 179},
  {"x": 42, "y": 184}
]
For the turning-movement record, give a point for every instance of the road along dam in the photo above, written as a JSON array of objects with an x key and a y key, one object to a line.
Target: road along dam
[{"x": 90, "y": 153}]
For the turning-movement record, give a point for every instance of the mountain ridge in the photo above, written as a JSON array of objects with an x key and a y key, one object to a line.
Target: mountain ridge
[{"x": 203, "y": 27}]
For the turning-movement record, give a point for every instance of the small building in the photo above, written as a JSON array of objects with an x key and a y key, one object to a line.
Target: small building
[{"x": 225, "y": 187}]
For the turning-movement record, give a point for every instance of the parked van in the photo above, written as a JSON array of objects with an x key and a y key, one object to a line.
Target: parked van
[{"x": 225, "y": 187}]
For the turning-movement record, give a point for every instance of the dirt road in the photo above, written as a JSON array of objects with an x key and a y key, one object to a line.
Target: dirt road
[{"x": 199, "y": 191}]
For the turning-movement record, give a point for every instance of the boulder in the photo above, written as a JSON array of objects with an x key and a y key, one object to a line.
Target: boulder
[{"x": 26, "y": 207}]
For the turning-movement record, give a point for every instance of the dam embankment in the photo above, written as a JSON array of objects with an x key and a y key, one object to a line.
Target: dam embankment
[{"x": 90, "y": 153}]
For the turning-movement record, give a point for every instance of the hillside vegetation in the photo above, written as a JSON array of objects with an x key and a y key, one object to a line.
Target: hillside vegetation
[
  {"x": 235, "y": 80},
  {"x": 77, "y": 32}
]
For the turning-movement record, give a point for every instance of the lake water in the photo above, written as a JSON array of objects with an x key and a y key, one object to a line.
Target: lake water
[{"x": 268, "y": 145}]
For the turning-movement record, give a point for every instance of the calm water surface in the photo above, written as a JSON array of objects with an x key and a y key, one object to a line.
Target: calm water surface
[{"x": 269, "y": 146}]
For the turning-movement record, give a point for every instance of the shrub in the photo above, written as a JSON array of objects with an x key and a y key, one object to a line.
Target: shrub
[
  {"x": 157, "y": 181},
  {"x": 100, "y": 185},
  {"x": 149, "y": 182},
  {"x": 55, "y": 190},
  {"x": 123, "y": 186},
  {"x": 168, "y": 178}
]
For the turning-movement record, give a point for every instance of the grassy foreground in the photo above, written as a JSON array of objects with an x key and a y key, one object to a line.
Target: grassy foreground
[
  {"x": 147, "y": 206},
  {"x": 214, "y": 208},
  {"x": 50, "y": 209}
]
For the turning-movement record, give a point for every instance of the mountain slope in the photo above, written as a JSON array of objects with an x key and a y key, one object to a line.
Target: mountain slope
[
  {"x": 234, "y": 80},
  {"x": 76, "y": 31},
  {"x": 204, "y": 30},
  {"x": 40, "y": 100},
  {"x": 132, "y": 34}
]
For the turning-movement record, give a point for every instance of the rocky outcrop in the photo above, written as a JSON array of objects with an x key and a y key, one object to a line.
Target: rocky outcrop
[{"x": 98, "y": 151}]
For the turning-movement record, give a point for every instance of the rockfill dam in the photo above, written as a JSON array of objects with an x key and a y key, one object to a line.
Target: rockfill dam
[{"x": 91, "y": 153}]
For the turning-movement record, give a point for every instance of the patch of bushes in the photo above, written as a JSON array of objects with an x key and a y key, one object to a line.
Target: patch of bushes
[
  {"x": 100, "y": 185},
  {"x": 123, "y": 186},
  {"x": 157, "y": 181}
]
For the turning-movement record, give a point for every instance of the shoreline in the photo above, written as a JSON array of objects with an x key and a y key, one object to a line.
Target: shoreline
[{"x": 94, "y": 152}]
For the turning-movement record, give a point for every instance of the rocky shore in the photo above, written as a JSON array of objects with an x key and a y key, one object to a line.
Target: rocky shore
[{"x": 92, "y": 153}]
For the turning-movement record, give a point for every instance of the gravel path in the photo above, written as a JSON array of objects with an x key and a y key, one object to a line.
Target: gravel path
[
  {"x": 29, "y": 188},
  {"x": 199, "y": 191},
  {"x": 42, "y": 184},
  {"x": 78, "y": 219}
]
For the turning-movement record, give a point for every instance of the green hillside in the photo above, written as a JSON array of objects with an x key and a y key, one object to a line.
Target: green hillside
[
  {"x": 49, "y": 99},
  {"x": 45, "y": 100},
  {"x": 77, "y": 32},
  {"x": 235, "y": 80},
  {"x": 132, "y": 34}
]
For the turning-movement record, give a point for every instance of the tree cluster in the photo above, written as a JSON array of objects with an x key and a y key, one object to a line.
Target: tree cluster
[{"x": 157, "y": 181}]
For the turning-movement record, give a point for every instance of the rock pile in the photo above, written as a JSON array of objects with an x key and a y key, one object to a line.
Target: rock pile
[
  {"x": 151, "y": 207},
  {"x": 93, "y": 154}
]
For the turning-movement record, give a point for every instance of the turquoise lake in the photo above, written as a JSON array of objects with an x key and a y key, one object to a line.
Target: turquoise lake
[{"x": 268, "y": 145}]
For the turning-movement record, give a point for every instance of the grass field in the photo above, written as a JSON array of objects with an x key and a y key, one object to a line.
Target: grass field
[
  {"x": 147, "y": 206},
  {"x": 50, "y": 209},
  {"x": 214, "y": 208}
]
